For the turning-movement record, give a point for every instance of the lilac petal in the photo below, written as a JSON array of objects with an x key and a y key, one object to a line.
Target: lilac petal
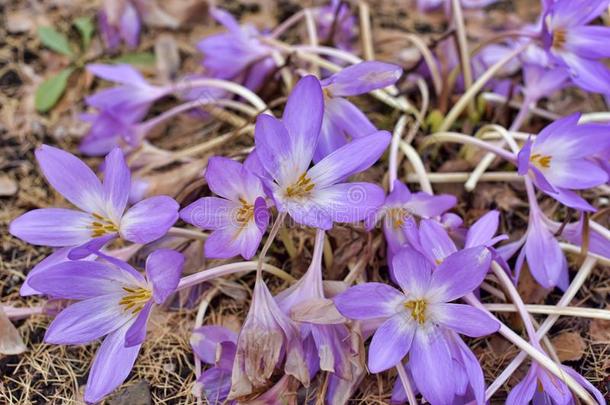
[
  {"x": 465, "y": 319},
  {"x": 343, "y": 114},
  {"x": 413, "y": 271},
  {"x": 435, "y": 241},
  {"x": 572, "y": 199},
  {"x": 79, "y": 280},
  {"x": 425, "y": 205},
  {"x": 566, "y": 13},
  {"x": 350, "y": 202},
  {"x": 149, "y": 219},
  {"x": 356, "y": 156},
  {"x": 575, "y": 174},
  {"x": 216, "y": 385},
  {"x": 209, "y": 212},
  {"x": 121, "y": 73},
  {"x": 59, "y": 256},
  {"x": 436, "y": 383},
  {"x": 332, "y": 137},
  {"x": 226, "y": 19},
  {"x": 87, "y": 320},
  {"x": 363, "y": 77},
  {"x": 400, "y": 193},
  {"x": 588, "y": 74},
  {"x": 461, "y": 273},
  {"x": 136, "y": 333},
  {"x": 369, "y": 300},
  {"x": 230, "y": 241},
  {"x": 71, "y": 178},
  {"x": 275, "y": 151},
  {"x": 585, "y": 383},
  {"x": 391, "y": 343},
  {"x": 205, "y": 341},
  {"x": 472, "y": 367},
  {"x": 130, "y": 26},
  {"x": 303, "y": 118},
  {"x": 250, "y": 238},
  {"x": 523, "y": 392},
  {"x": 91, "y": 247},
  {"x": 111, "y": 366},
  {"x": 309, "y": 212},
  {"x": 117, "y": 183},
  {"x": 482, "y": 231},
  {"x": 55, "y": 227},
  {"x": 544, "y": 255},
  {"x": 224, "y": 177},
  {"x": 523, "y": 157},
  {"x": 163, "y": 270},
  {"x": 333, "y": 354}
]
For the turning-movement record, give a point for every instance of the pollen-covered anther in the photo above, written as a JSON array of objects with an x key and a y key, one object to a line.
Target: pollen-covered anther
[
  {"x": 559, "y": 39},
  {"x": 301, "y": 188},
  {"x": 135, "y": 299},
  {"x": 418, "y": 310},
  {"x": 245, "y": 212},
  {"x": 541, "y": 161},
  {"x": 101, "y": 226}
]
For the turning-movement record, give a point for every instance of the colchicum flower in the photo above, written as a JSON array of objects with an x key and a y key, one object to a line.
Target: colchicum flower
[
  {"x": 119, "y": 20},
  {"x": 336, "y": 25},
  {"x": 315, "y": 196},
  {"x": 417, "y": 319},
  {"x": 342, "y": 120},
  {"x": 239, "y": 219},
  {"x": 560, "y": 159},
  {"x": 112, "y": 300},
  {"x": 102, "y": 214}
]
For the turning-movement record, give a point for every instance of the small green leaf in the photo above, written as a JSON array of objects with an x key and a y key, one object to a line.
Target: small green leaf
[
  {"x": 51, "y": 90},
  {"x": 85, "y": 27},
  {"x": 55, "y": 40},
  {"x": 138, "y": 58}
]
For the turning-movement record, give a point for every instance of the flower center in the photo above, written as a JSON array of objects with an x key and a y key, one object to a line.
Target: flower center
[
  {"x": 301, "y": 188},
  {"x": 245, "y": 213},
  {"x": 135, "y": 299},
  {"x": 398, "y": 216},
  {"x": 101, "y": 226},
  {"x": 541, "y": 161},
  {"x": 418, "y": 310},
  {"x": 559, "y": 39}
]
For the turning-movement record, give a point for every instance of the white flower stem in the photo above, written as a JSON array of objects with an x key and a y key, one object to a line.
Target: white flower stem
[
  {"x": 460, "y": 177},
  {"x": 187, "y": 233},
  {"x": 460, "y": 29},
  {"x": 468, "y": 140},
  {"x": 418, "y": 166},
  {"x": 406, "y": 384},
  {"x": 365, "y": 30},
  {"x": 274, "y": 230},
  {"x": 393, "y": 161},
  {"x": 592, "y": 313},
  {"x": 15, "y": 313}
]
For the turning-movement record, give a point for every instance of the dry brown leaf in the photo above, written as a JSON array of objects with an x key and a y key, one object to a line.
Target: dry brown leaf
[
  {"x": 529, "y": 289},
  {"x": 10, "y": 340},
  {"x": 570, "y": 346},
  {"x": 600, "y": 330}
]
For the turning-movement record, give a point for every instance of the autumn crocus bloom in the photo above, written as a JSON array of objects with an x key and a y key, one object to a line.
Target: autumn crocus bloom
[
  {"x": 238, "y": 219},
  {"x": 417, "y": 318},
  {"x": 119, "y": 20},
  {"x": 342, "y": 120},
  {"x": 336, "y": 25},
  {"x": 112, "y": 300},
  {"x": 102, "y": 214},
  {"x": 560, "y": 159},
  {"x": 315, "y": 196}
]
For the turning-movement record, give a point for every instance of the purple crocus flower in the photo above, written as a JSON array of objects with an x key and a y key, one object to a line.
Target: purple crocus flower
[
  {"x": 343, "y": 120},
  {"x": 112, "y": 300},
  {"x": 238, "y": 219},
  {"x": 540, "y": 82},
  {"x": 336, "y": 25},
  {"x": 560, "y": 160},
  {"x": 238, "y": 54},
  {"x": 418, "y": 318},
  {"x": 571, "y": 42},
  {"x": 101, "y": 215},
  {"x": 216, "y": 346},
  {"x": 315, "y": 196},
  {"x": 119, "y": 20}
]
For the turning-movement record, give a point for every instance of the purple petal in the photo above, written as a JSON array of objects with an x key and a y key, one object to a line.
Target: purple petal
[
  {"x": 210, "y": 213},
  {"x": 71, "y": 178},
  {"x": 55, "y": 227},
  {"x": 346, "y": 116},
  {"x": 226, "y": 19},
  {"x": 130, "y": 26},
  {"x": 205, "y": 341},
  {"x": 588, "y": 74},
  {"x": 216, "y": 385},
  {"x": 136, "y": 333},
  {"x": 349, "y": 202},
  {"x": 275, "y": 151},
  {"x": 121, "y": 73},
  {"x": 585, "y": 383},
  {"x": 467, "y": 320},
  {"x": 472, "y": 367},
  {"x": 369, "y": 300},
  {"x": 332, "y": 137},
  {"x": 391, "y": 343},
  {"x": 544, "y": 256},
  {"x": 356, "y": 156},
  {"x": 149, "y": 219},
  {"x": 523, "y": 392},
  {"x": 224, "y": 177},
  {"x": 163, "y": 270},
  {"x": 111, "y": 366},
  {"x": 91, "y": 247},
  {"x": 575, "y": 174},
  {"x": 117, "y": 183},
  {"x": 461, "y": 272},
  {"x": 523, "y": 157},
  {"x": 232, "y": 240},
  {"x": 425, "y": 205},
  {"x": 435, "y": 241},
  {"x": 571, "y": 199},
  {"x": 59, "y": 256},
  {"x": 362, "y": 78},
  {"x": 413, "y": 271},
  {"x": 482, "y": 231}
]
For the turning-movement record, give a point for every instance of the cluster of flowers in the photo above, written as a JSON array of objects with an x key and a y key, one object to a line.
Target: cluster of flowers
[{"x": 299, "y": 168}]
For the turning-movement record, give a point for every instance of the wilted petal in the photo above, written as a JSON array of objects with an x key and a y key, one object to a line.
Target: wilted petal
[
  {"x": 207, "y": 342},
  {"x": 464, "y": 319},
  {"x": 10, "y": 340},
  {"x": 55, "y": 227},
  {"x": 163, "y": 270},
  {"x": 368, "y": 301},
  {"x": 149, "y": 219},
  {"x": 391, "y": 342},
  {"x": 216, "y": 385}
]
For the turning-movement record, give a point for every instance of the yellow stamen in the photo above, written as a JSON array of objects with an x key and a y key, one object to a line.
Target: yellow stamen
[
  {"x": 541, "y": 161},
  {"x": 301, "y": 188},
  {"x": 418, "y": 310},
  {"x": 559, "y": 39},
  {"x": 135, "y": 299},
  {"x": 245, "y": 213},
  {"x": 101, "y": 226},
  {"x": 398, "y": 216}
]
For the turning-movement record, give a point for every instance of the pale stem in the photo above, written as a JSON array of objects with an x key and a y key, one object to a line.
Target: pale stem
[
  {"x": 406, "y": 383},
  {"x": 418, "y": 166},
  {"x": 499, "y": 99},
  {"x": 212, "y": 143},
  {"x": 460, "y": 177},
  {"x": 365, "y": 31},
  {"x": 568, "y": 247},
  {"x": 313, "y": 35},
  {"x": 287, "y": 24},
  {"x": 553, "y": 310},
  {"x": 393, "y": 161},
  {"x": 274, "y": 230},
  {"x": 426, "y": 53},
  {"x": 460, "y": 30},
  {"x": 583, "y": 273},
  {"x": 477, "y": 86},
  {"x": 15, "y": 313},
  {"x": 602, "y": 230},
  {"x": 284, "y": 73},
  {"x": 187, "y": 233},
  {"x": 468, "y": 140},
  {"x": 594, "y": 117}
]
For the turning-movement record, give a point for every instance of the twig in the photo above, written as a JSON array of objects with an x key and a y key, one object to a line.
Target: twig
[
  {"x": 553, "y": 310},
  {"x": 365, "y": 31},
  {"x": 406, "y": 383}
]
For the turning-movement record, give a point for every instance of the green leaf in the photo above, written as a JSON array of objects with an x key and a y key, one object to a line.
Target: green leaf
[
  {"x": 51, "y": 90},
  {"x": 85, "y": 27},
  {"x": 137, "y": 58},
  {"x": 55, "y": 40}
]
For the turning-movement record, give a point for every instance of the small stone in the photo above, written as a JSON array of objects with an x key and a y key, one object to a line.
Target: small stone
[
  {"x": 137, "y": 394},
  {"x": 569, "y": 346},
  {"x": 8, "y": 186}
]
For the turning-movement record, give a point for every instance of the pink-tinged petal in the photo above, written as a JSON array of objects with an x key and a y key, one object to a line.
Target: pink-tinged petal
[
  {"x": 275, "y": 151},
  {"x": 368, "y": 301},
  {"x": 91, "y": 247},
  {"x": 111, "y": 366},
  {"x": 435, "y": 241},
  {"x": 356, "y": 156},
  {"x": 87, "y": 320},
  {"x": 121, "y": 73},
  {"x": 482, "y": 231},
  {"x": 71, "y": 177},
  {"x": 210, "y": 213},
  {"x": 346, "y": 116},
  {"x": 413, "y": 271},
  {"x": 363, "y": 77},
  {"x": 460, "y": 273},
  {"x": 523, "y": 157},
  {"x": 432, "y": 367},
  {"x": 577, "y": 174},
  {"x": 163, "y": 270},
  {"x": 59, "y": 256},
  {"x": 117, "y": 184},
  {"x": 303, "y": 118},
  {"x": 545, "y": 258},
  {"x": 224, "y": 177},
  {"x": 391, "y": 342},
  {"x": 136, "y": 333},
  {"x": 349, "y": 202},
  {"x": 56, "y": 227},
  {"x": 523, "y": 392},
  {"x": 79, "y": 280},
  {"x": 149, "y": 219},
  {"x": 465, "y": 319}
]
